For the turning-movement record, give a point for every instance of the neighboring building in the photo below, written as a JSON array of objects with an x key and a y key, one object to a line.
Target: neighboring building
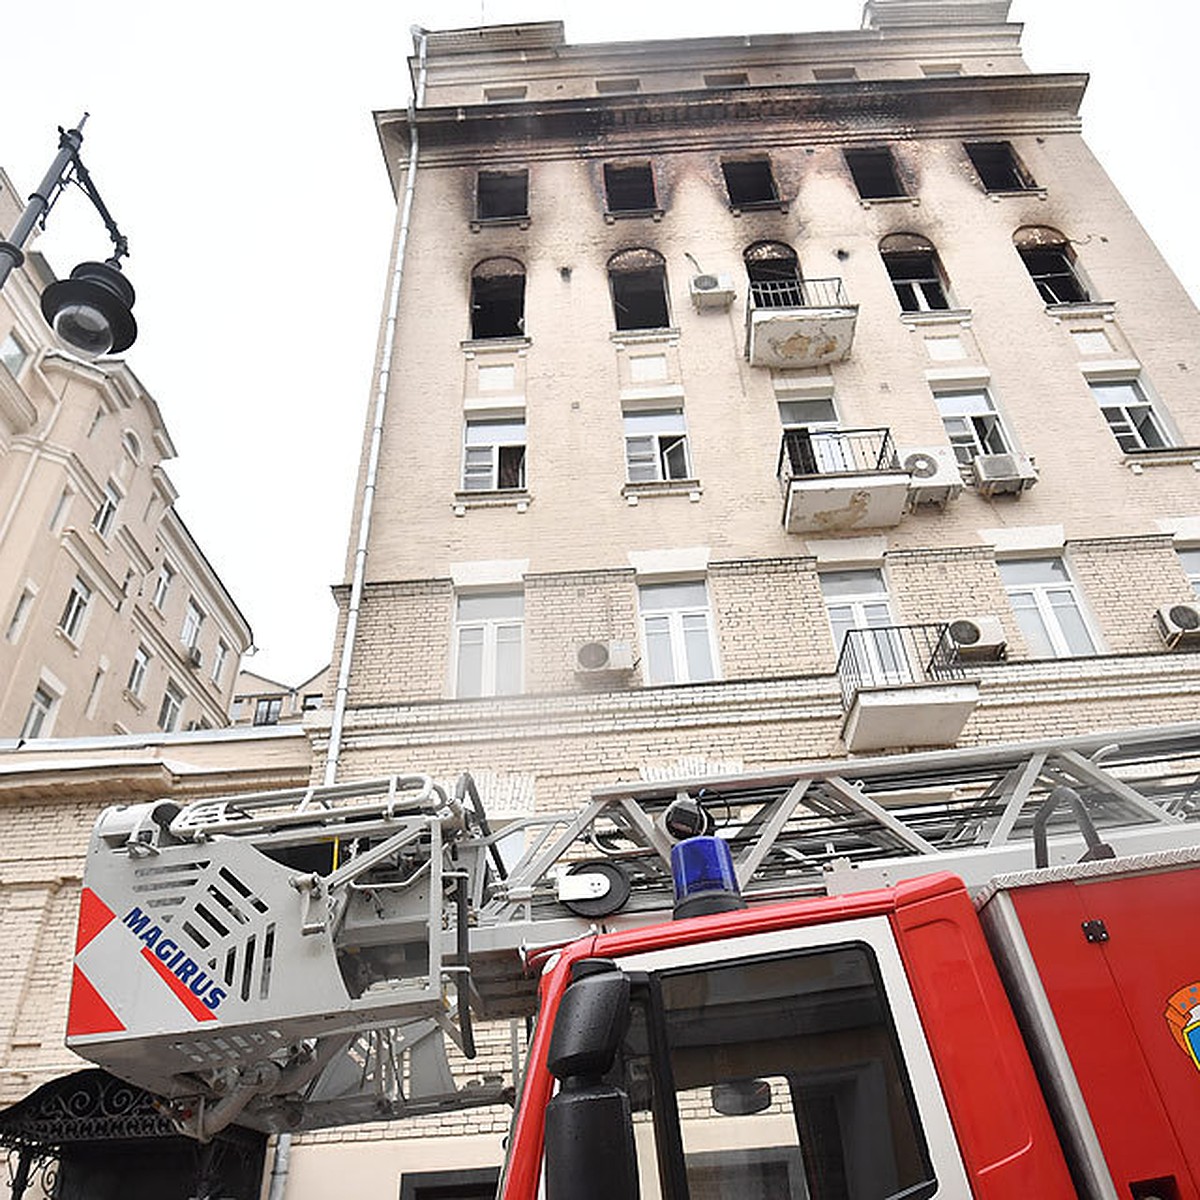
[
  {"x": 112, "y": 620},
  {"x": 258, "y": 700}
]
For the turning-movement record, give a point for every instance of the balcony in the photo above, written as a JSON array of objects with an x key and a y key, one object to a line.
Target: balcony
[
  {"x": 798, "y": 323},
  {"x": 837, "y": 481},
  {"x": 902, "y": 686}
]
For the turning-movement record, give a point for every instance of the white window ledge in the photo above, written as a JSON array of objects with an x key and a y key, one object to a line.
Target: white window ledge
[
  {"x": 690, "y": 488},
  {"x": 508, "y": 498},
  {"x": 1168, "y": 456},
  {"x": 943, "y": 316}
]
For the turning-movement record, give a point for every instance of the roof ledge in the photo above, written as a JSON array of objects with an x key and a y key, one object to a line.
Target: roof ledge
[{"x": 897, "y": 14}]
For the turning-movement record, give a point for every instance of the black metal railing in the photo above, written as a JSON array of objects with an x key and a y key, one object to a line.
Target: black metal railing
[
  {"x": 807, "y": 452},
  {"x": 798, "y": 293},
  {"x": 896, "y": 656}
]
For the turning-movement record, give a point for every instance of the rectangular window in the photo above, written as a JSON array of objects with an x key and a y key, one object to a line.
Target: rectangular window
[
  {"x": 814, "y": 446},
  {"x": 918, "y": 282},
  {"x": 998, "y": 167},
  {"x": 13, "y": 354},
  {"x": 972, "y": 424},
  {"x": 171, "y": 708},
  {"x": 678, "y": 632},
  {"x": 218, "y": 667},
  {"x": 1051, "y": 268},
  {"x": 137, "y": 671},
  {"x": 859, "y": 600},
  {"x": 41, "y": 708},
  {"x": 501, "y": 195},
  {"x": 17, "y": 622},
  {"x": 311, "y": 702},
  {"x": 60, "y": 510},
  {"x": 494, "y": 455},
  {"x": 1130, "y": 416},
  {"x": 162, "y": 586},
  {"x": 71, "y": 621},
  {"x": 1043, "y": 598},
  {"x": 193, "y": 618},
  {"x": 1190, "y": 560},
  {"x": 488, "y": 636},
  {"x": 656, "y": 446},
  {"x": 874, "y": 173},
  {"x": 106, "y": 514},
  {"x": 629, "y": 188},
  {"x": 513, "y": 91},
  {"x": 267, "y": 710},
  {"x": 749, "y": 181}
]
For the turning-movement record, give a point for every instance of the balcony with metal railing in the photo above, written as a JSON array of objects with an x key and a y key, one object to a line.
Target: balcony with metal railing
[
  {"x": 798, "y": 322},
  {"x": 840, "y": 480},
  {"x": 903, "y": 685}
]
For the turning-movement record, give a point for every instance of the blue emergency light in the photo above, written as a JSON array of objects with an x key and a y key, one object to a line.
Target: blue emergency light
[{"x": 702, "y": 869}]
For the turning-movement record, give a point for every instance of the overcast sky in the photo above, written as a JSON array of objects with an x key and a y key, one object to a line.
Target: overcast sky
[{"x": 234, "y": 144}]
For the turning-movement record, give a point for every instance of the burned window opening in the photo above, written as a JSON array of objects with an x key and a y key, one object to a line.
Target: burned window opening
[
  {"x": 501, "y": 195},
  {"x": 773, "y": 271},
  {"x": 639, "y": 290},
  {"x": 749, "y": 182},
  {"x": 629, "y": 188},
  {"x": 916, "y": 273},
  {"x": 874, "y": 174},
  {"x": 1050, "y": 261},
  {"x": 498, "y": 299},
  {"x": 998, "y": 167}
]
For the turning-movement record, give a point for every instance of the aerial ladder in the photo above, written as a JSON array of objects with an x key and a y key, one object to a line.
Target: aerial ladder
[{"x": 300, "y": 959}]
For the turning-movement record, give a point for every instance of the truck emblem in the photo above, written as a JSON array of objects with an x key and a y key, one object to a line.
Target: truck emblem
[{"x": 1183, "y": 1018}]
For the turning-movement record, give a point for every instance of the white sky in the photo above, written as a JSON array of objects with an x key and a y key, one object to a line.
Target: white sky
[{"x": 234, "y": 144}]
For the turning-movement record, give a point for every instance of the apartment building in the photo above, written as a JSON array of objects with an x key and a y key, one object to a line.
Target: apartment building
[
  {"x": 112, "y": 619},
  {"x": 260, "y": 701}
]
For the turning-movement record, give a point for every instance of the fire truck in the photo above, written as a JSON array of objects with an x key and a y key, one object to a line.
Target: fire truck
[{"x": 963, "y": 973}]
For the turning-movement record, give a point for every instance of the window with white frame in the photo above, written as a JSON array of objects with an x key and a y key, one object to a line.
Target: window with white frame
[
  {"x": 267, "y": 710},
  {"x": 171, "y": 708},
  {"x": 75, "y": 610},
  {"x": 13, "y": 354},
  {"x": 813, "y": 443},
  {"x": 1190, "y": 560},
  {"x": 16, "y": 622},
  {"x": 1047, "y": 608},
  {"x": 193, "y": 618},
  {"x": 106, "y": 514},
  {"x": 162, "y": 586},
  {"x": 656, "y": 448},
  {"x": 494, "y": 454},
  {"x": 677, "y": 630},
  {"x": 858, "y": 599},
  {"x": 489, "y": 631},
  {"x": 1130, "y": 415},
  {"x": 972, "y": 424},
  {"x": 137, "y": 671},
  {"x": 41, "y": 710},
  {"x": 219, "y": 659}
]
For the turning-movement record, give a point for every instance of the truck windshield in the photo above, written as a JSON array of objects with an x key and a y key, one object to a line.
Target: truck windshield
[{"x": 772, "y": 1077}]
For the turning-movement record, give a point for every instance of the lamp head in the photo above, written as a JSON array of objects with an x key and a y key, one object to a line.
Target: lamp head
[{"x": 90, "y": 311}]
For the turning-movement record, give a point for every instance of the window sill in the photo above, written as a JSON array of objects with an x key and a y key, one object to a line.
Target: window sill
[
  {"x": 1169, "y": 456},
  {"x": 633, "y": 214},
  {"x": 136, "y": 701},
  {"x": 633, "y": 492},
  {"x": 66, "y": 637},
  {"x": 499, "y": 222},
  {"x": 664, "y": 333},
  {"x": 1082, "y": 308},
  {"x": 517, "y": 498},
  {"x": 760, "y": 206},
  {"x": 504, "y": 343},
  {"x": 1039, "y": 192},
  {"x": 872, "y": 201},
  {"x": 940, "y": 316}
]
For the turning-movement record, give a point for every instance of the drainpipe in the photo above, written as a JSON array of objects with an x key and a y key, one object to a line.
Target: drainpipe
[{"x": 366, "y": 503}]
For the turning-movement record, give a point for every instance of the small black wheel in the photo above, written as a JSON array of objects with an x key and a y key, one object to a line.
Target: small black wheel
[{"x": 612, "y": 901}]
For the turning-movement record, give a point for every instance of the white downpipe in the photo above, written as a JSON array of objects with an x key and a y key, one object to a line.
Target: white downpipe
[{"x": 283, "y": 1144}]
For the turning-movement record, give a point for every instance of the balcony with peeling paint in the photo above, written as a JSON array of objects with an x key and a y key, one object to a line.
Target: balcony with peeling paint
[
  {"x": 838, "y": 481},
  {"x": 793, "y": 323}
]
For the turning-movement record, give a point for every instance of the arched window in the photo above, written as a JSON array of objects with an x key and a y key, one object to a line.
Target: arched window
[
  {"x": 498, "y": 299},
  {"x": 638, "y": 279},
  {"x": 131, "y": 446},
  {"x": 1050, "y": 261},
  {"x": 774, "y": 274},
  {"x": 916, "y": 273}
]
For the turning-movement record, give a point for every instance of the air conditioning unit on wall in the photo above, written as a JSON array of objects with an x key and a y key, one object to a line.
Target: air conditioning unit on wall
[
  {"x": 934, "y": 473},
  {"x": 1179, "y": 625},
  {"x": 998, "y": 474},
  {"x": 978, "y": 639},
  {"x": 597, "y": 658},
  {"x": 711, "y": 291}
]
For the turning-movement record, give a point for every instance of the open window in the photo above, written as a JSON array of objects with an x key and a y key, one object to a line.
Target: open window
[
  {"x": 502, "y": 195},
  {"x": 1130, "y": 415},
  {"x": 749, "y": 182},
  {"x": 629, "y": 188},
  {"x": 1050, "y": 261},
  {"x": 773, "y": 271},
  {"x": 874, "y": 173},
  {"x": 916, "y": 272},
  {"x": 998, "y": 167},
  {"x": 494, "y": 454},
  {"x": 638, "y": 279},
  {"x": 498, "y": 299}
]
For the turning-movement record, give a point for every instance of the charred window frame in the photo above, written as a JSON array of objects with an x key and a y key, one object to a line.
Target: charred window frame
[
  {"x": 998, "y": 167},
  {"x": 629, "y": 190},
  {"x": 1050, "y": 261},
  {"x": 638, "y": 280},
  {"x": 750, "y": 183},
  {"x": 916, "y": 273},
  {"x": 502, "y": 196},
  {"x": 498, "y": 299},
  {"x": 773, "y": 272},
  {"x": 874, "y": 174}
]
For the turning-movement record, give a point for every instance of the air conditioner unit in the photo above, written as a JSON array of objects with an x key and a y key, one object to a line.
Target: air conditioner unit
[
  {"x": 996, "y": 474},
  {"x": 711, "y": 291},
  {"x": 978, "y": 639},
  {"x": 934, "y": 473},
  {"x": 194, "y": 658},
  {"x": 1179, "y": 624},
  {"x": 594, "y": 658}
]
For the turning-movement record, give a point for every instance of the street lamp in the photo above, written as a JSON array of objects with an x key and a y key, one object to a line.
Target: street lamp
[{"x": 90, "y": 311}]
